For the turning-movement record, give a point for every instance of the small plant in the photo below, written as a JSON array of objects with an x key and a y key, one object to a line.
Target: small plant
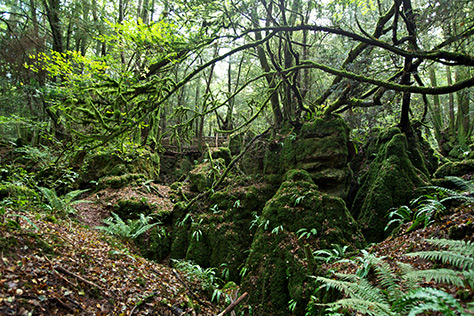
[
  {"x": 305, "y": 233},
  {"x": 298, "y": 199},
  {"x": 330, "y": 255},
  {"x": 399, "y": 216},
  {"x": 429, "y": 207},
  {"x": 129, "y": 230},
  {"x": 194, "y": 272},
  {"x": 277, "y": 230},
  {"x": 62, "y": 204},
  {"x": 292, "y": 305},
  {"x": 11, "y": 219}
]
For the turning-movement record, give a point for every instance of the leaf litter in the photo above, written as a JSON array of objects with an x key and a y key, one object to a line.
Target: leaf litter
[{"x": 67, "y": 268}]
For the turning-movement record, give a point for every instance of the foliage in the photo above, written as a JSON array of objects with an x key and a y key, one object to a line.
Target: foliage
[
  {"x": 459, "y": 254},
  {"x": 63, "y": 204},
  {"x": 207, "y": 277},
  {"x": 129, "y": 230},
  {"x": 398, "y": 291},
  {"x": 12, "y": 219},
  {"x": 329, "y": 255},
  {"x": 429, "y": 207}
]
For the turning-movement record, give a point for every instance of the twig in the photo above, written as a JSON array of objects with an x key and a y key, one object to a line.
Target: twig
[
  {"x": 63, "y": 270},
  {"x": 233, "y": 305},
  {"x": 56, "y": 272}
]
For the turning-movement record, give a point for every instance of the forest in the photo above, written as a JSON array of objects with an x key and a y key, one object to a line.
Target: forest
[{"x": 237, "y": 157}]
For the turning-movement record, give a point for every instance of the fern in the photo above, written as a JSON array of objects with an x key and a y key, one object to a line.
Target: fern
[
  {"x": 361, "y": 289},
  {"x": 459, "y": 255},
  {"x": 439, "y": 275},
  {"x": 428, "y": 299},
  {"x": 365, "y": 307},
  {"x": 462, "y": 184},
  {"x": 129, "y": 230},
  {"x": 62, "y": 204},
  {"x": 400, "y": 293}
]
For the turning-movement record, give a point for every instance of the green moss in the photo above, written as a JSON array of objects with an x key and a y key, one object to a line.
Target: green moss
[
  {"x": 457, "y": 169},
  {"x": 156, "y": 244},
  {"x": 389, "y": 182},
  {"x": 277, "y": 266},
  {"x": 117, "y": 182},
  {"x": 320, "y": 147},
  {"x": 132, "y": 208}
]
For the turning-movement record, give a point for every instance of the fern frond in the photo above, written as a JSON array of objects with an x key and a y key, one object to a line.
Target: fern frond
[
  {"x": 438, "y": 275},
  {"x": 460, "y": 246},
  {"x": 362, "y": 289},
  {"x": 447, "y": 257},
  {"x": 462, "y": 184},
  {"x": 428, "y": 299},
  {"x": 365, "y": 307},
  {"x": 440, "y": 189},
  {"x": 388, "y": 280},
  {"x": 70, "y": 196}
]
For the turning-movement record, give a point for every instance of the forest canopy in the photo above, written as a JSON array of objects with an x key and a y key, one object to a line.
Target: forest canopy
[{"x": 147, "y": 69}]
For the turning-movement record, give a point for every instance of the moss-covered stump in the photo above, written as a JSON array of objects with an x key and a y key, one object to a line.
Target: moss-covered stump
[
  {"x": 219, "y": 235},
  {"x": 277, "y": 267},
  {"x": 320, "y": 147},
  {"x": 389, "y": 182},
  {"x": 113, "y": 163}
]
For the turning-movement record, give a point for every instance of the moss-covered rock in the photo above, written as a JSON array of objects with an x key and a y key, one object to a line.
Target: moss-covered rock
[
  {"x": 205, "y": 173},
  {"x": 320, "y": 147},
  {"x": 457, "y": 169},
  {"x": 16, "y": 192},
  {"x": 219, "y": 153},
  {"x": 155, "y": 244},
  {"x": 278, "y": 269},
  {"x": 132, "y": 208},
  {"x": 117, "y": 182},
  {"x": 219, "y": 235},
  {"x": 389, "y": 182},
  {"x": 110, "y": 162}
]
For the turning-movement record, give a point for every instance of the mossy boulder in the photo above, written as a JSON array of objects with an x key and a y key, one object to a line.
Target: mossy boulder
[
  {"x": 278, "y": 268},
  {"x": 132, "y": 208},
  {"x": 390, "y": 181},
  {"x": 155, "y": 244},
  {"x": 219, "y": 153},
  {"x": 205, "y": 173},
  {"x": 455, "y": 168},
  {"x": 117, "y": 182},
  {"x": 220, "y": 234},
  {"x": 12, "y": 191},
  {"x": 110, "y": 162},
  {"x": 320, "y": 147}
]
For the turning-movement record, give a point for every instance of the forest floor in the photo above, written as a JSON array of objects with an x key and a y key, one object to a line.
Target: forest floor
[
  {"x": 64, "y": 267},
  {"x": 67, "y": 268}
]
